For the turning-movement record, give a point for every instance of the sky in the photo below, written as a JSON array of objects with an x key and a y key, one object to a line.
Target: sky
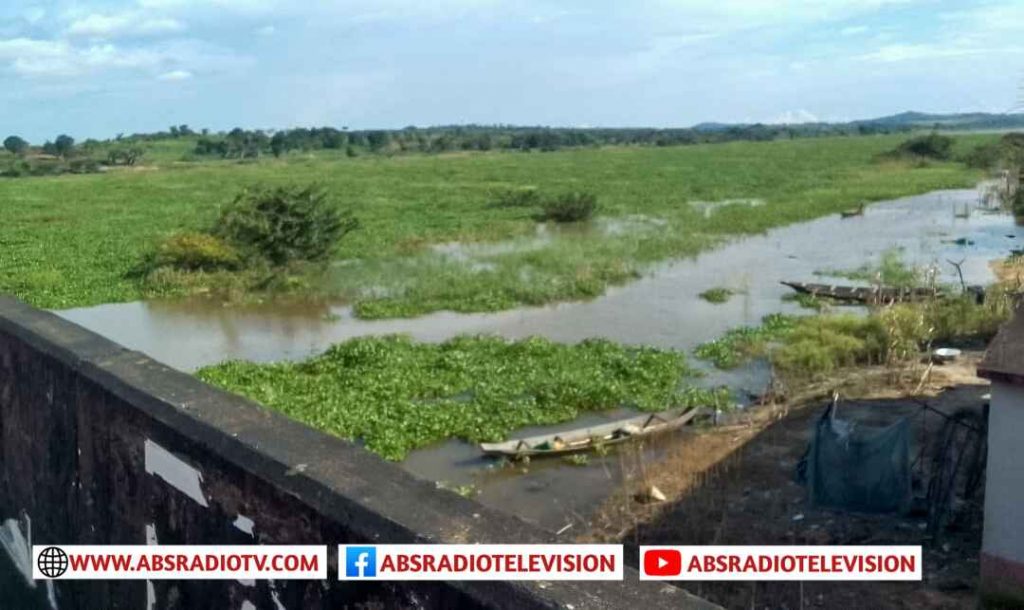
[{"x": 95, "y": 68}]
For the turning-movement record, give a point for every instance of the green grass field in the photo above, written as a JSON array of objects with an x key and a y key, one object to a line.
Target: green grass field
[{"x": 71, "y": 240}]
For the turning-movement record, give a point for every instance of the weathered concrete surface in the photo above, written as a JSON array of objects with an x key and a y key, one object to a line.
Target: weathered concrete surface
[{"x": 77, "y": 413}]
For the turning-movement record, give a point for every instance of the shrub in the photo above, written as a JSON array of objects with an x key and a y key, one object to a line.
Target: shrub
[
  {"x": 821, "y": 344},
  {"x": 86, "y": 165},
  {"x": 196, "y": 252},
  {"x": 284, "y": 224},
  {"x": 569, "y": 207},
  {"x": 931, "y": 146}
]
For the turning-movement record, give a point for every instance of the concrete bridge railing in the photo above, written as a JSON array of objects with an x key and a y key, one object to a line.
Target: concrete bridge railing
[{"x": 103, "y": 445}]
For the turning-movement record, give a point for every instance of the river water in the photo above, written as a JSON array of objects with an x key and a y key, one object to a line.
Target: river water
[{"x": 662, "y": 309}]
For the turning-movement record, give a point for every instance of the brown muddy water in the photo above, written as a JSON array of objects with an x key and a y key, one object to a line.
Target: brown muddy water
[{"x": 661, "y": 309}]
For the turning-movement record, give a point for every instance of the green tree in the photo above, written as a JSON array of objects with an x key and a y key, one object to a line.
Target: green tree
[
  {"x": 15, "y": 145},
  {"x": 63, "y": 145}
]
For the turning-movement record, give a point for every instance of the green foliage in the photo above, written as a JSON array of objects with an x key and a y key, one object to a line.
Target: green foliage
[
  {"x": 128, "y": 155},
  {"x": 740, "y": 344},
  {"x": 1006, "y": 152},
  {"x": 962, "y": 319},
  {"x": 818, "y": 345},
  {"x": 931, "y": 146},
  {"x": 890, "y": 270},
  {"x": 63, "y": 145},
  {"x": 15, "y": 145},
  {"x": 821, "y": 344},
  {"x": 195, "y": 252},
  {"x": 70, "y": 241},
  {"x": 569, "y": 207},
  {"x": 716, "y": 295},
  {"x": 285, "y": 224},
  {"x": 806, "y": 301},
  {"x": 397, "y": 395}
]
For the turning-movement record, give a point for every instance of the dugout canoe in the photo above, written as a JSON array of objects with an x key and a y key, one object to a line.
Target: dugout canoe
[
  {"x": 582, "y": 439},
  {"x": 857, "y": 211},
  {"x": 865, "y": 294}
]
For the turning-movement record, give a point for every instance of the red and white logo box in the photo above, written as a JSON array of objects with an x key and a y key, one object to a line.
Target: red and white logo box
[{"x": 864, "y": 563}]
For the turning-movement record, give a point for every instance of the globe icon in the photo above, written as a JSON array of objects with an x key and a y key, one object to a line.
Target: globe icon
[{"x": 53, "y": 562}]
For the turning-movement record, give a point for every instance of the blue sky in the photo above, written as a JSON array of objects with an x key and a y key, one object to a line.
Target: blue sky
[{"x": 93, "y": 68}]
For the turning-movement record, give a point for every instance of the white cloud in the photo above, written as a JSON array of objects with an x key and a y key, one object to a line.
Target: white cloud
[
  {"x": 853, "y": 30},
  {"x": 123, "y": 24},
  {"x": 910, "y": 52},
  {"x": 57, "y": 58},
  {"x": 267, "y": 30},
  {"x": 175, "y": 75}
]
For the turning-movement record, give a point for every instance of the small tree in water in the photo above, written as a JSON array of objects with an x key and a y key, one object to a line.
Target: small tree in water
[{"x": 285, "y": 224}]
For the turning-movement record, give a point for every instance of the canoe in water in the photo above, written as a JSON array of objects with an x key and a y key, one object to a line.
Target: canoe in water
[
  {"x": 594, "y": 436},
  {"x": 866, "y": 294}
]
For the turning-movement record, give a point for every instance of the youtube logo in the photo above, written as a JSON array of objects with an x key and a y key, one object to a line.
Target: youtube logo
[{"x": 662, "y": 562}]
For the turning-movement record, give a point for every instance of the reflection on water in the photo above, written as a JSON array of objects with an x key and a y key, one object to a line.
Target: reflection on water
[{"x": 661, "y": 309}]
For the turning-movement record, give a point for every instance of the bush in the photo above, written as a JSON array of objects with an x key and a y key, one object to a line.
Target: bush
[
  {"x": 84, "y": 165},
  {"x": 1008, "y": 151},
  {"x": 196, "y": 252},
  {"x": 821, "y": 344},
  {"x": 931, "y": 146},
  {"x": 284, "y": 224},
  {"x": 570, "y": 207}
]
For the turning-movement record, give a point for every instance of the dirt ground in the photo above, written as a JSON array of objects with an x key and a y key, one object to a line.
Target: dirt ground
[{"x": 735, "y": 484}]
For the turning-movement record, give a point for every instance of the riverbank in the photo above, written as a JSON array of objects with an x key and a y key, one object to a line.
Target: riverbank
[
  {"x": 736, "y": 485},
  {"x": 430, "y": 237}
]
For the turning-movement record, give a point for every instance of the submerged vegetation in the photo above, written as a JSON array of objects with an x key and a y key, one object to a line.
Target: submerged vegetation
[
  {"x": 397, "y": 395},
  {"x": 807, "y": 301},
  {"x": 890, "y": 270},
  {"x": 569, "y": 207},
  {"x": 740, "y": 344},
  {"x": 717, "y": 295}
]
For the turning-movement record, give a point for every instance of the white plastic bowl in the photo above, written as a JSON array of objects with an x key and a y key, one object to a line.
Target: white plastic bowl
[{"x": 946, "y": 354}]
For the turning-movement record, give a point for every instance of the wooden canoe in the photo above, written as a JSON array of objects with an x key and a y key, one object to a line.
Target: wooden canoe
[
  {"x": 857, "y": 211},
  {"x": 588, "y": 438},
  {"x": 865, "y": 294}
]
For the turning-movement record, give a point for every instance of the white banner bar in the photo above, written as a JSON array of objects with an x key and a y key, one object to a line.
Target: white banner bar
[
  {"x": 808, "y": 563},
  {"x": 186, "y": 562},
  {"x": 480, "y": 562}
]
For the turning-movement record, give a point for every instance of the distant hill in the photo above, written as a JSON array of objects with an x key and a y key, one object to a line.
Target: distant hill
[
  {"x": 957, "y": 121},
  {"x": 963, "y": 121}
]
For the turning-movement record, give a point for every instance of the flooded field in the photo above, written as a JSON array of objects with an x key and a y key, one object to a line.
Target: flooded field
[{"x": 662, "y": 309}]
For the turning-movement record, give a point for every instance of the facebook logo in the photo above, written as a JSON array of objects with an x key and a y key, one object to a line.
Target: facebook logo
[{"x": 360, "y": 561}]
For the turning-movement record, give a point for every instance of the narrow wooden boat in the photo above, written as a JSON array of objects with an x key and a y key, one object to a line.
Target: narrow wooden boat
[
  {"x": 857, "y": 211},
  {"x": 866, "y": 294},
  {"x": 588, "y": 438}
]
